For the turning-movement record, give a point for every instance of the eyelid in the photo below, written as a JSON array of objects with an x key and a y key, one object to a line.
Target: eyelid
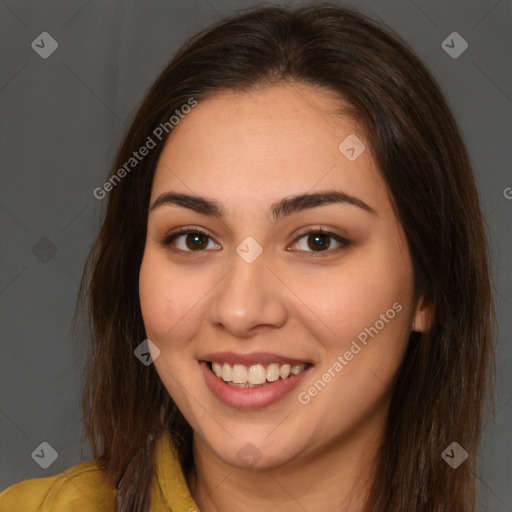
[
  {"x": 344, "y": 242},
  {"x": 167, "y": 239}
]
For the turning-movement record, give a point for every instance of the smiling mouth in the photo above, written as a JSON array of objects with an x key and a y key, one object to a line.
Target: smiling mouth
[{"x": 256, "y": 375}]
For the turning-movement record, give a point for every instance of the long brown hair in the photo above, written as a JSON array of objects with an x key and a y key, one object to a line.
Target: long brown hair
[{"x": 445, "y": 377}]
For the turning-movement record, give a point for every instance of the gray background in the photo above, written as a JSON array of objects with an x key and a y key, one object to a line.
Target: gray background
[{"x": 62, "y": 120}]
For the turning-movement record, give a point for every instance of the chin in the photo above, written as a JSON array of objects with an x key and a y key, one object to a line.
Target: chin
[{"x": 250, "y": 454}]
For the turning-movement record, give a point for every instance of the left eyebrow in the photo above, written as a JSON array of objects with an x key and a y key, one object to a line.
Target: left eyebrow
[
  {"x": 283, "y": 208},
  {"x": 297, "y": 203}
]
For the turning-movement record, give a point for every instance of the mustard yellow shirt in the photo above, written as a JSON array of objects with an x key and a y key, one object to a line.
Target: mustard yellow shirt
[{"x": 82, "y": 488}]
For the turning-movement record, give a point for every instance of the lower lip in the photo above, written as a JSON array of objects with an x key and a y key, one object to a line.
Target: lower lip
[{"x": 250, "y": 398}]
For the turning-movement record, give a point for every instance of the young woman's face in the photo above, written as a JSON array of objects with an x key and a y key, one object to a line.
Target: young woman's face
[{"x": 260, "y": 296}]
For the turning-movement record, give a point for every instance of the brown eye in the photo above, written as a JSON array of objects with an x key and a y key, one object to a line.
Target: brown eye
[
  {"x": 194, "y": 241},
  {"x": 320, "y": 241}
]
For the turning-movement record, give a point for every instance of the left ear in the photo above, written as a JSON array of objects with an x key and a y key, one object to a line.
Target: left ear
[{"x": 422, "y": 319}]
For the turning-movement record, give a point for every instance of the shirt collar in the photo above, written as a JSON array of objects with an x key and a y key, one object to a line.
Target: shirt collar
[{"x": 170, "y": 489}]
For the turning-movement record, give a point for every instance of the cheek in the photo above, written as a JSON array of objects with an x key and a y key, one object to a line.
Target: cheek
[
  {"x": 160, "y": 305},
  {"x": 352, "y": 298},
  {"x": 167, "y": 297},
  {"x": 155, "y": 300},
  {"x": 158, "y": 291},
  {"x": 364, "y": 307}
]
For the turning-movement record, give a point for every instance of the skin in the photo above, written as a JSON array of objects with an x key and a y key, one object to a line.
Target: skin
[{"x": 247, "y": 151}]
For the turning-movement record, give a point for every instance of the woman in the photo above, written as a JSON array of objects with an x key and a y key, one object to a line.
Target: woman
[{"x": 328, "y": 345}]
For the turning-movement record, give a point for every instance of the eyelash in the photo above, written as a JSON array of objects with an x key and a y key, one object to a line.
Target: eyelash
[{"x": 167, "y": 240}]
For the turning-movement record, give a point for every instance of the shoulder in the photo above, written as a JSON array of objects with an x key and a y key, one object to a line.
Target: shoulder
[{"x": 80, "y": 488}]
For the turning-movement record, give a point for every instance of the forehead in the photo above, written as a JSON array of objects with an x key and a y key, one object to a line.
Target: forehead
[{"x": 263, "y": 144}]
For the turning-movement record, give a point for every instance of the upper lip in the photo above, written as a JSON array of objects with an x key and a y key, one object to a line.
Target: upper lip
[{"x": 263, "y": 358}]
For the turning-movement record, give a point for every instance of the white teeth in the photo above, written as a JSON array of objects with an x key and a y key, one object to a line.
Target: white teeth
[
  {"x": 227, "y": 372},
  {"x": 217, "y": 369},
  {"x": 255, "y": 374},
  {"x": 239, "y": 374},
  {"x": 272, "y": 372},
  {"x": 284, "y": 371},
  {"x": 297, "y": 368}
]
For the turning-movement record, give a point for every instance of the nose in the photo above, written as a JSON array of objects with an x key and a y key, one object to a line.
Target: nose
[{"x": 248, "y": 298}]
